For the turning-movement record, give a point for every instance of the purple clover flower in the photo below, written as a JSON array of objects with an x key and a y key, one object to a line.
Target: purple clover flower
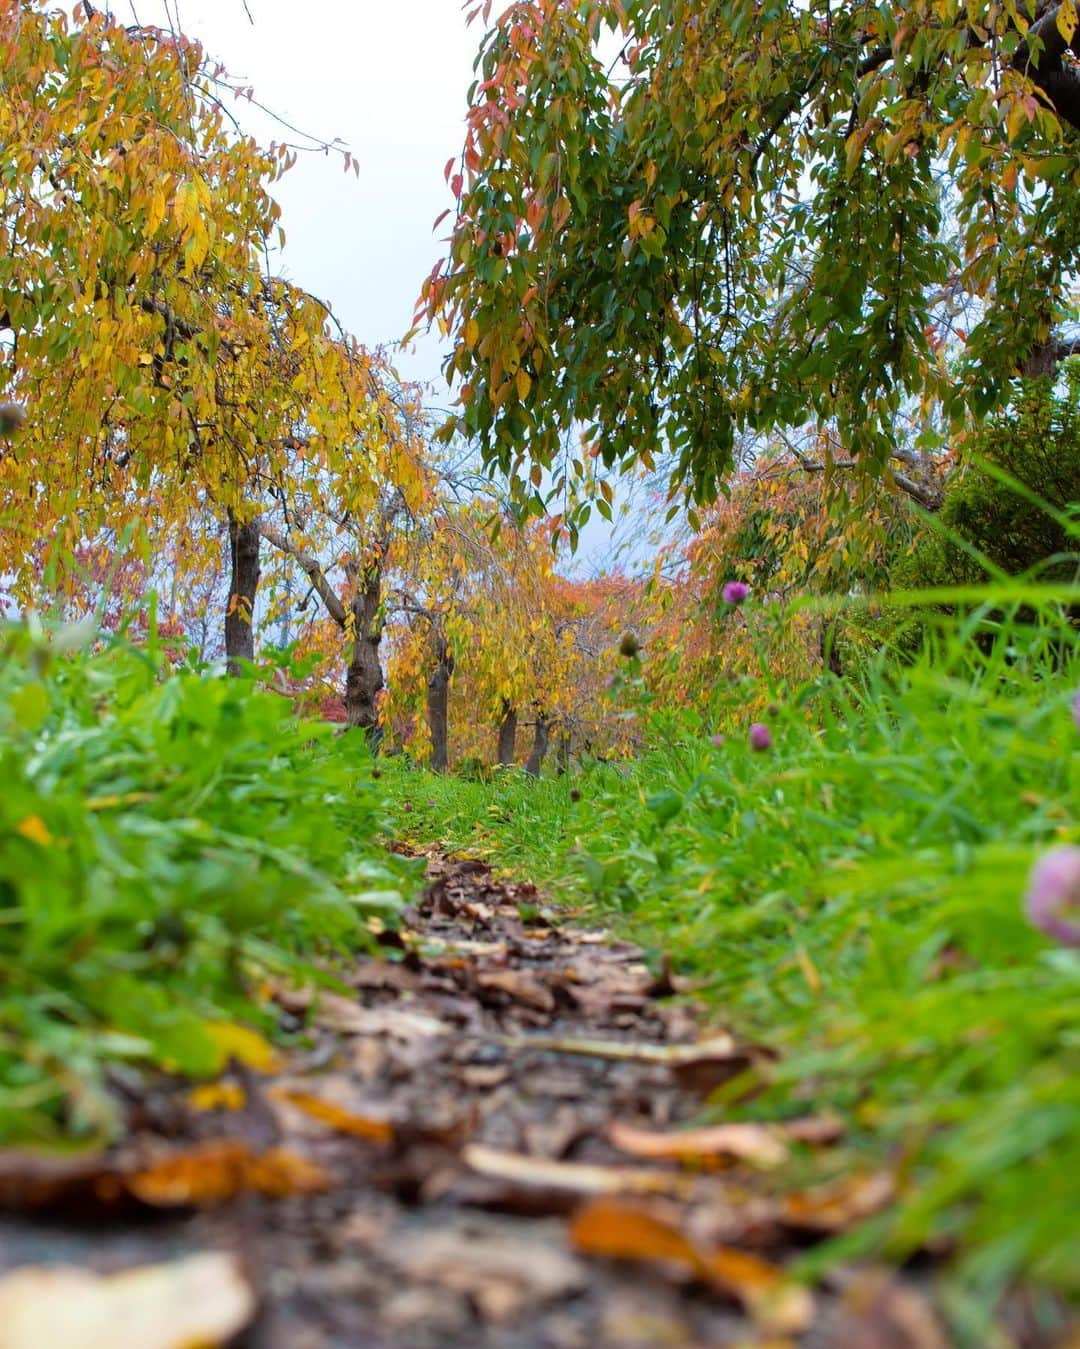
[
  {"x": 718, "y": 739},
  {"x": 1076, "y": 708},
  {"x": 735, "y": 592},
  {"x": 1052, "y": 902},
  {"x": 760, "y": 737}
]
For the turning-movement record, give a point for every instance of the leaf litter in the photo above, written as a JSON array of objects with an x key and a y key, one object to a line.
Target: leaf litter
[{"x": 494, "y": 1138}]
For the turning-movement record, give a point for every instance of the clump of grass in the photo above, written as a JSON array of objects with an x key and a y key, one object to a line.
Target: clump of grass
[
  {"x": 850, "y": 887},
  {"x": 167, "y": 842}
]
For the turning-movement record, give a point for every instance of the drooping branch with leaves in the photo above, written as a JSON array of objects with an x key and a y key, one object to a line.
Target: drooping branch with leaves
[{"x": 680, "y": 221}]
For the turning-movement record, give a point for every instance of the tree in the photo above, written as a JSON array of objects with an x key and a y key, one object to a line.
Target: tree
[
  {"x": 755, "y": 217},
  {"x": 148, "y": 337}
]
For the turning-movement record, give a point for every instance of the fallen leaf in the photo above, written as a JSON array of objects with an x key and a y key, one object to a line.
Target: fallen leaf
[
  {"x": 336, "y": 1118},
  {"x": 502, "y": 1271},
  {"x": 522, "y": 985},
  {"x": 760, "y": 1144},
  {"x": 717, "y": 1047},
  {"x": 839, "y": 1204},
  {"x": 215, "y": 1172},
  {"x": 880, "y": 1313},
  {"x": 233, "y": 1041},
  {"x": 622, "y": 1231},
  {"x": 217, "y": 1096},
  {"x": 196, "y": 1302},
  {"x": 581, "y": 1178}
]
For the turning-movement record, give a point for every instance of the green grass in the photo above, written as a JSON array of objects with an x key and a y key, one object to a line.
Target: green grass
[
  {"x": 853, "y": 897},
  {"x": 168, "y": 842}
]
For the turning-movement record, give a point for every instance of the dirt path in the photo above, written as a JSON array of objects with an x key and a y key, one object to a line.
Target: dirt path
[{"x": 478, "y": 1148}]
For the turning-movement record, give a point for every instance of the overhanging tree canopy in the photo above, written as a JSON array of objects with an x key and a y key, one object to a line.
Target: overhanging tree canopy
[{"x": 760, "y": 213}]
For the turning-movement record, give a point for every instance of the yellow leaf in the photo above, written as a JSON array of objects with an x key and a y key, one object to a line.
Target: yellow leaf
[
  {"x": 472, "y": 333},
  {"x": 156, "y": 214},
  {"x": 218, "y": 1096},
  {"x": 234, "y": 1041},
  {"x": 524, "y": 384},
  {"x": 35, "y": 829}
]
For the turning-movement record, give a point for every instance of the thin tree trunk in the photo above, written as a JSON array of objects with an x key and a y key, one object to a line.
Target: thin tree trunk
[
  {"x": 541, "y": 740},
  {"x": 563, "y": 754},
  {"x": 364, "y": 678},
  {"x": 830, "y": 655},
  {"x": 243, "y": 585},
  {"x": 507, "y": 735},
  {"x": 438, "y": 695}
]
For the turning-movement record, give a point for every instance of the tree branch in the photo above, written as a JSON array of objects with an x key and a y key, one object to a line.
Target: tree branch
[{"x": 315, "y": 573}]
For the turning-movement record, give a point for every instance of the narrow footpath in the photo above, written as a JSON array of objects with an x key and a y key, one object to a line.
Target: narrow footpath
[{"x": 479, "y": 1145}]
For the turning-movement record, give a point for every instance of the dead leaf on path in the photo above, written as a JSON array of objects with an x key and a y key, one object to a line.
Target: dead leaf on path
[
  {"x": 760, "y": 1144},
  {"x": 233, "y": 1041},
  {"x": 201, "y": 1300},
  {"x": 502, "y": 1269},
  {"x": 879, "y": 1313},
  {"x": 717, "y": 1047},
  {"x": 335, "y": 1013},
  {"x": 464, "y": 947},
  {"x": 217, "y": 1096},
  {"x": 521, "y": 985},
  {"x": 334, "y": 1117},
  {"x": 622, "y": 1231},
  {"x": 840, "y": 1204},
  {"x": 42, "y": 1180},
  {"x": 814, "y": 1130},
  {"x": 215, "y": 1172},
  {"x": 579, "y": 1178}
]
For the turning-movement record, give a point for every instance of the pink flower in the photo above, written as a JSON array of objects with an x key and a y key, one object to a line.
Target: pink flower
[
  {"x": 1076, "y": 708},
  {"x": 760, "y": 737},
  {"x": 718, "y": 739},
  {"x": 1053, "y": 895},
  {"x": 735, "y": 592}
]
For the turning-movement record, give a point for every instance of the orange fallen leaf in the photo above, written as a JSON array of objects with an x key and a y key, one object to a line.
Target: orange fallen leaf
[
  {"x": 839, "y": 1204},
  {"x": 334, "y": 1117},
  {"x": 624, "y": 1231},
  {"x": 213, "y": 1173},
  {"x": 761, "y": 1144}
]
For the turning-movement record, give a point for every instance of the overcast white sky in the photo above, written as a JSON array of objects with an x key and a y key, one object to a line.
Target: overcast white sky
[{"x": 388, "y": 77}]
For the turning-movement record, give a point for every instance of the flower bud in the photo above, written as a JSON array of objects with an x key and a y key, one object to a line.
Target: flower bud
[
  {"x": 1052, "y": 902},
  {"x": 760, "y": 737}
]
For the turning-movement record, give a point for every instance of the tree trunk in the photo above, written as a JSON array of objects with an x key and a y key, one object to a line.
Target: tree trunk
[
  {"x": 563, "y": 754},
  {"x": 243, "y": 584},
  {"x": 438, "y": 692},
  {"x": 364, "y": 679},
  {"x": 541, "y": 740},
  {"x": 830, "y": 655},
  {"x": 507, "y": 735}
]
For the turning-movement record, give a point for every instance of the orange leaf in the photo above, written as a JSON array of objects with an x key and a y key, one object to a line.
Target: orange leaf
[
  {"x": 213, "y": 1173},
  {"x": 623, "y": 1231},
  {"x": 343, "y": 1121}
]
